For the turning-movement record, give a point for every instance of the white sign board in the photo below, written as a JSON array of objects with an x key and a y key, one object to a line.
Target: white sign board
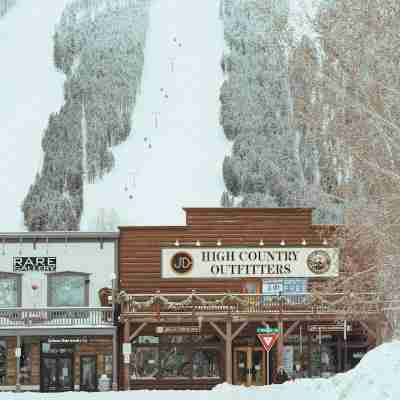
[{"x": 249, "y": 262}]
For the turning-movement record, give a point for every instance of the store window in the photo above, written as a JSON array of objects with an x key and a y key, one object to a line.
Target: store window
[
  {"x": 175, "y": 362},
  {"x": 205, "y": 364},
  {"x": 183, "y": 357},
  {"x": 3, "y": 362},
  {"x": 144, "y": 363},
  {"x": 68, "y": 289},
  {"x": 10, "y": 289}
]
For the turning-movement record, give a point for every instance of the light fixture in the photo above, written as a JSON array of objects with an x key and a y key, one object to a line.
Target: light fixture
[
  {"x": 303, "y": 242},
  {"x": 282, "y": 242},
  {"x": 261, "y": 242},
  {"x": 197, "y": 243},
  {"x": 218, "y": 242},
  {"x": 324, "y": 242},
  {"x": 176, "y": 242}
]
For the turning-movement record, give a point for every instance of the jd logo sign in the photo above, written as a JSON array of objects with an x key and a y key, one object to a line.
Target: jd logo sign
[{"x": 182, "y": 262}]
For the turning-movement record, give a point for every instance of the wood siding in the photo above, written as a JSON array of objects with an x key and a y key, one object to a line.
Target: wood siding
[{"x": 140, "y": 247}]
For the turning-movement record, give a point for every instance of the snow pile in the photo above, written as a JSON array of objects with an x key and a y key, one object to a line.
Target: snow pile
[{"x": 375, "y": 378}]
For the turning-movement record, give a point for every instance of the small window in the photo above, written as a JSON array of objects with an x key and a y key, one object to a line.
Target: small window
[
  {"x": 10, "y": 289},
  {"x": 68, "y": 289}
]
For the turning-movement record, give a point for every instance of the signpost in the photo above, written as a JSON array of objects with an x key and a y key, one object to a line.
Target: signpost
[{"x": 267, "y": 337}]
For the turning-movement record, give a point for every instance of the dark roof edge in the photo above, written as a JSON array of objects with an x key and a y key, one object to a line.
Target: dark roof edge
[
  {"x": 253, "y": 209},
  {"x": 59, "y": 235},
  {"x": 152, "y": 227}
]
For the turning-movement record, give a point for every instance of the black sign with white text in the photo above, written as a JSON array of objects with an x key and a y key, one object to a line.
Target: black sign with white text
[{"x": 40, "y": 264}]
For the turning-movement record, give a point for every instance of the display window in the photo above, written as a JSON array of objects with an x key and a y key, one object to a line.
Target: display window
[
  {"x": 10, "y": 289},
  {"x": 68, "y": 289},
  {"x": 182, "y": 357}
]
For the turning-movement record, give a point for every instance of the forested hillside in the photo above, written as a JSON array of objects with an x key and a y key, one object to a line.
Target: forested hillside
[
  {"x": 98, "y": 45},
  {"x": 5, "y": 6},
  {"x": 273, "y": 164}
]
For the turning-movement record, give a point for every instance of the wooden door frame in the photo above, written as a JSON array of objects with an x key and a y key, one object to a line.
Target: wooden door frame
[{"x": 248, "y": 350}]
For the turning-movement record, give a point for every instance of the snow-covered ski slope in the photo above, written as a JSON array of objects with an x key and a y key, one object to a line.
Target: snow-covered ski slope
[
  {"x": 173, "y": 157},
  {"x": 30, "y": 89}
]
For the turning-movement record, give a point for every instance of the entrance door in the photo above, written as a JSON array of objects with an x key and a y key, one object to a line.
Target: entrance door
[
  {"x": 88, "y": 374},
  {"x": 56, "y": 372},
  {"x": 249, "y": 366}
]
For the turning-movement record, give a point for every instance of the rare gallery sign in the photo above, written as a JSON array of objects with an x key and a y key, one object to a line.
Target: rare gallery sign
[
  {"x": 39, "y": 264},
  {"x": 228, "y": 263}
]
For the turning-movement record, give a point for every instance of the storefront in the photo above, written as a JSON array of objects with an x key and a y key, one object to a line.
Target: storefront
[
  {"x": 56, "y": 331},
  {"x": 194, "y": 297}
]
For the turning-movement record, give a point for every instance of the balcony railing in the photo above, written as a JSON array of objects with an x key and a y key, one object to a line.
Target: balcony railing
[
  {"x": 238, "y": 303},
  {"x": 56, "y": 317}
]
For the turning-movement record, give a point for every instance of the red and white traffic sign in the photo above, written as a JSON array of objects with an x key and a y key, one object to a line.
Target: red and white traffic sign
[{"x": 268, "y": 340}]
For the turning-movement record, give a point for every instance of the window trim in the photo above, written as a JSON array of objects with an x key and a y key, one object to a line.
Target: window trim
[
  {"x": 68, "y": 273},
  {"x": 18, "y": 278}
]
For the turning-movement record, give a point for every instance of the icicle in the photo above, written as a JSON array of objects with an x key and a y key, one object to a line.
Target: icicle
[
  {"x": 4, "y": 247},
  {"x": 345, "y": 330}
]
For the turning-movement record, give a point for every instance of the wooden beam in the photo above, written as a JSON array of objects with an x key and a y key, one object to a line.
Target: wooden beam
[
  {"x": 238, "y": 330},
  {"x": 127, "y": 331},
  {"x": 138, "y": 330},
  {"x": 291, "y": 329},
  {"x": 217, "y": 328},
  {"x": 228, "y": 352}
]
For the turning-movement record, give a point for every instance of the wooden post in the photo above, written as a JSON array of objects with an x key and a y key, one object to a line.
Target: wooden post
[
  {"x": 309, "y": 344},
  {"x": 115, "y": 361},
  {"x": 279, "y": 354},
  {"x": 125, "y": 377},
  {"x": 228, "y": 352},
  {"x": 18, "y": 366},
  {"x": 339, "y": 353}
]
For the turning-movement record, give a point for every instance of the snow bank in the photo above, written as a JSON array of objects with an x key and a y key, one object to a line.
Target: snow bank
[{"x": 375, "y": 378}]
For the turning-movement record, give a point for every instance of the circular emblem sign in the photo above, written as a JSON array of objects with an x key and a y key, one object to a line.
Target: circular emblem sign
[
  {"x": 318, "y": 262},
  {"x": 182, "y": 262}
]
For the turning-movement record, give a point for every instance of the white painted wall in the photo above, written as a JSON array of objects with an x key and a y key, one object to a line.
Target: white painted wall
[{"x": 84, "y": 257}]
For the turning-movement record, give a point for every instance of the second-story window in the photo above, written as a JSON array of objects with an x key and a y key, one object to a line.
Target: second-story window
[
  {"x": 68, "y": 289},
  {"x": 10, "y": 289}
]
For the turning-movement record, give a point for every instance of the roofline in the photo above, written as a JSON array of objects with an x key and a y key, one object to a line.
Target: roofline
[
  {"x": 59, "y": 235},
  {"x": 151, "y": 227},
  {"x": 253, "y": 209}
]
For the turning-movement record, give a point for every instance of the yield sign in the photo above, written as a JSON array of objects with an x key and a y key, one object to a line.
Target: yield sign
[{"x": 268, "y": 340}]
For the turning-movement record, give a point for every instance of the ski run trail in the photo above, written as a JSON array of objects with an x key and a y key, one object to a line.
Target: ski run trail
[
  {"x": 173, "y": 156},
  {"x": 30, "y": 89}
]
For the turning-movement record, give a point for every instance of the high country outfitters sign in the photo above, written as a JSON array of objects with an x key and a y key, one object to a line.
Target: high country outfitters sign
[{"x": 228, "y": 263}]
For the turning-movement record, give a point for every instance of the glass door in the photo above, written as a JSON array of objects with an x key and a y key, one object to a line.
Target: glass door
[
  {"x": 240, "y": 365},
  {"x": 257, "y": 366},
  {"x": 49, "y": 374},
  {"x": 249, "y": 366},
  {"x": 88, "y": 374},
  {"x": 64, "y": 369}
]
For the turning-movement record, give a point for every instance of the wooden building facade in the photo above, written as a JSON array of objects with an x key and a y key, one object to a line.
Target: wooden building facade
[{"x": 184, "y": 325}]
